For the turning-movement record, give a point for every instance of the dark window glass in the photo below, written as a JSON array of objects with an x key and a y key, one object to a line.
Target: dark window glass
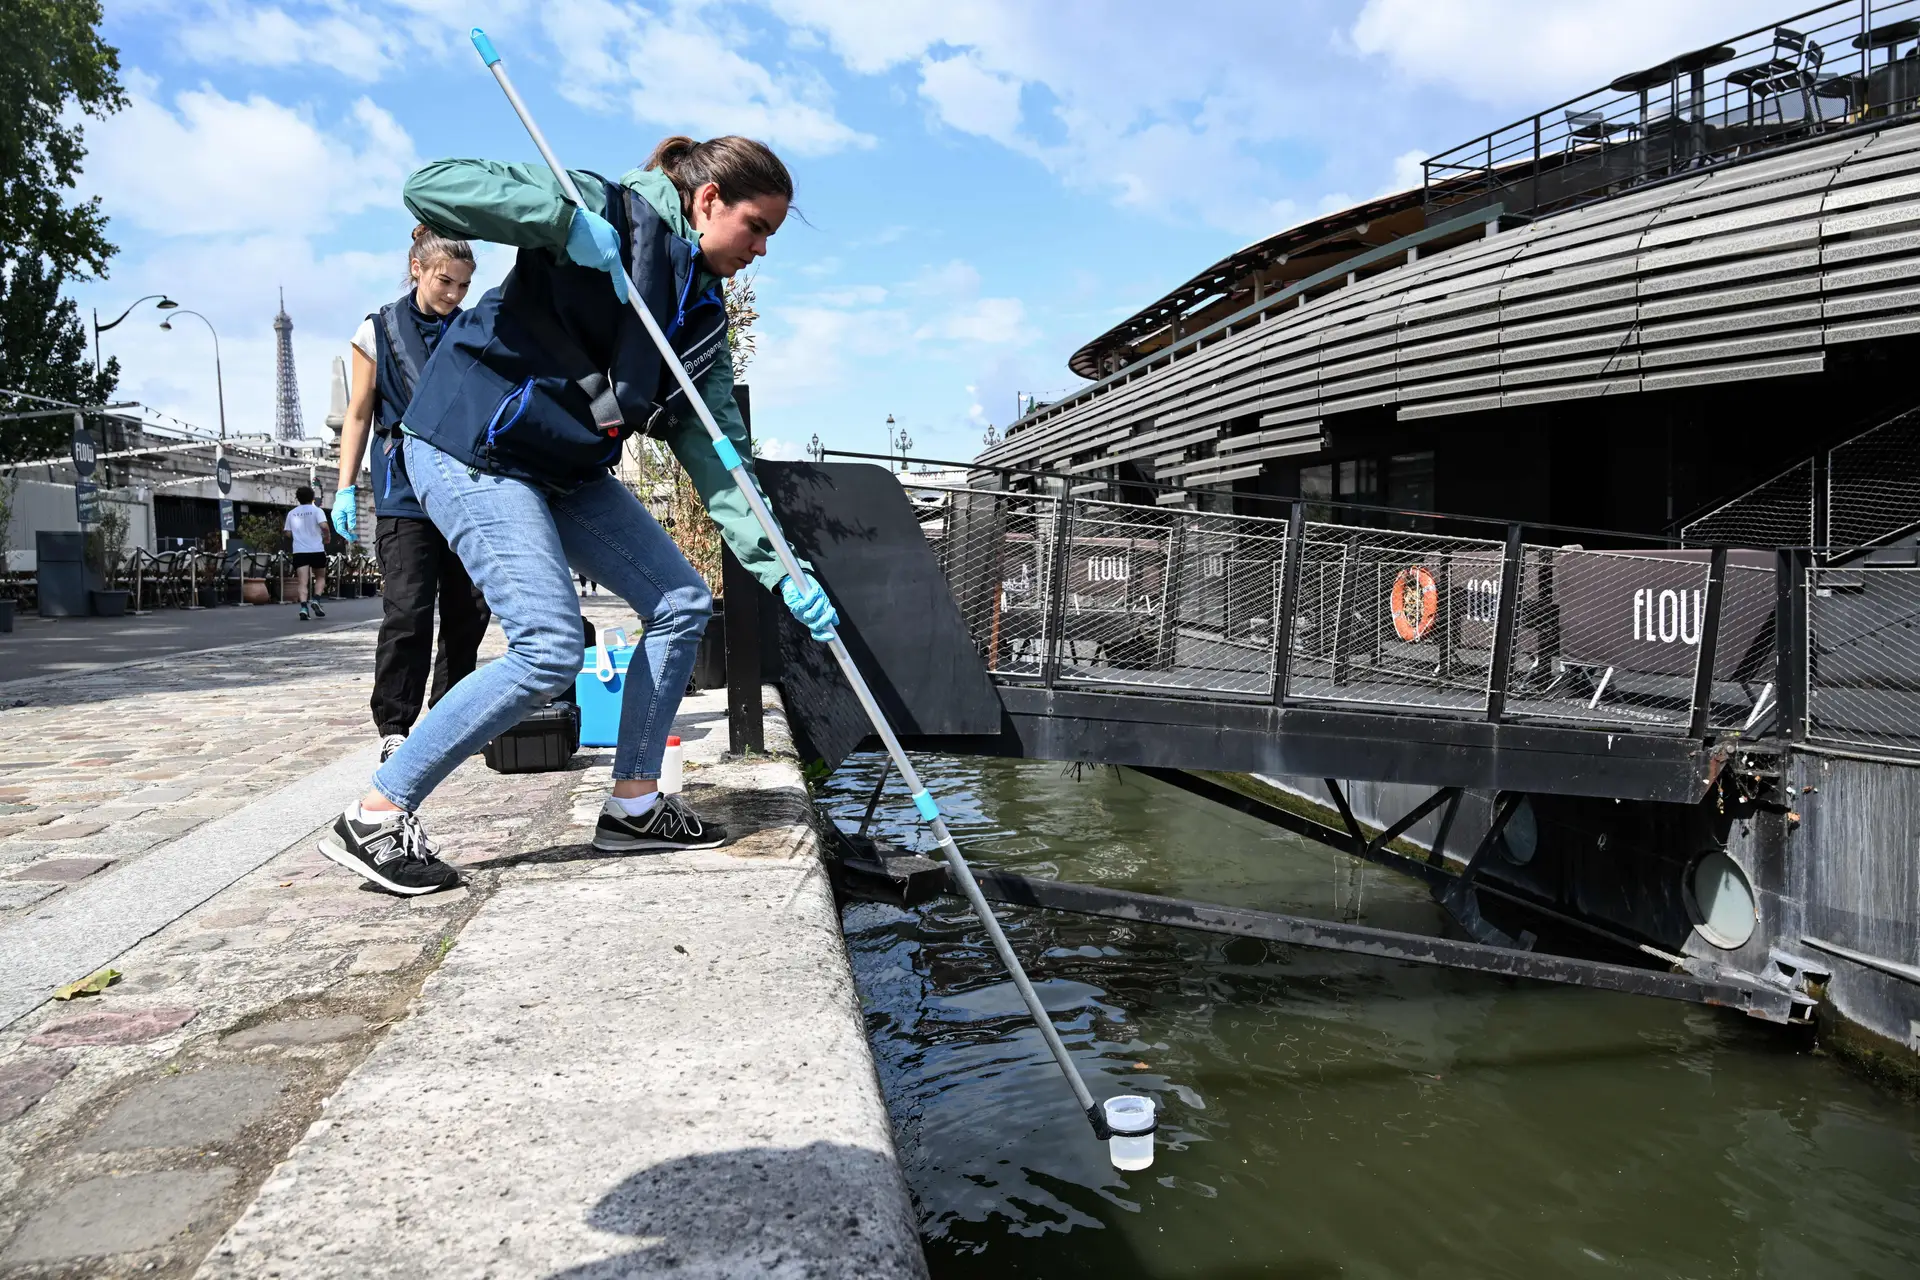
[{"x": 1410, "y": 485}]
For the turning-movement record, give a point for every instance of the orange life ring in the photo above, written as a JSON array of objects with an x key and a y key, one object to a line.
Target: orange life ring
[{"x": 1416, "y": 602}]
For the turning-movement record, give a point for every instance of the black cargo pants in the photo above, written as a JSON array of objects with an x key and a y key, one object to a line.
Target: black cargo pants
[{"x": 416, "y": 566}]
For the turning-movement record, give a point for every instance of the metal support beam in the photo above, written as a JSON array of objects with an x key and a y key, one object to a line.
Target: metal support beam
[
  {"x": 1442, "y": 796},
  {"x": 1346, "y": 815},
  {"x": 1458, "y": 896},
  {"x": 1708, "y": 650},
  {"x": 1790, "y": 640},
  {"x": 1754, "y": 999},
  {"x": 746, "y": 712},
  {"x": 1289, "y": 601},
  {"x": 1508, "y": 608},
  {"x": 1060, "y": 562}
]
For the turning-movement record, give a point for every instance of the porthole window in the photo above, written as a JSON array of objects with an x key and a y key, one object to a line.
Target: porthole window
[
  {"x": 1520, "y": 838},
  {"x": 1720, "y": 899}
]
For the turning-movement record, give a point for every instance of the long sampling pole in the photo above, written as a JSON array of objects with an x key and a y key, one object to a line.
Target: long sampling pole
[{"x": 730, "y": 456}]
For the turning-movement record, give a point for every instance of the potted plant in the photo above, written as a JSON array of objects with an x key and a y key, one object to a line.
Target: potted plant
[
  {"x": 106, "y": 549},
  {"x": 7, "y": 484},
  {"x": 258, "y": 537}
]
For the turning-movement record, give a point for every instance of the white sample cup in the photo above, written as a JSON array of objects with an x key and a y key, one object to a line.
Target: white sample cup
[
  {"x": 672, "y": 765},
  {"x": 1130, "y": 1119}
]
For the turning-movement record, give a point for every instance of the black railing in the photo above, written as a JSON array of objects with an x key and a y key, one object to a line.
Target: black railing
[{"x": 1853, "y": 63}]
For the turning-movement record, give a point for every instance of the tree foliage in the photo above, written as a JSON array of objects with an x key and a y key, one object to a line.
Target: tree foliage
[{"x": 54, "y": 69}]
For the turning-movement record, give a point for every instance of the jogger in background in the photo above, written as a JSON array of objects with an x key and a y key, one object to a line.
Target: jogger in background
[
  {"x": 307, "y": 524},
  {"x": 417, "y": 566}
]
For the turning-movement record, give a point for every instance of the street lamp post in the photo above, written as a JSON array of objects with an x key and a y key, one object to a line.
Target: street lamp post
[
  {"x": 219, "y": 382},
  {"x": 815, "y": 449},
  {"x": 889, "y": 442},
  {"x": 164, "y": 304}
]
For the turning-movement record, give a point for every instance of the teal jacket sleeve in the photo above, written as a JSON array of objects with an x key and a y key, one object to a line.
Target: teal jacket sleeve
[
  {"x": 713, "y": 483},
  {"x": 516, "y": 204}
]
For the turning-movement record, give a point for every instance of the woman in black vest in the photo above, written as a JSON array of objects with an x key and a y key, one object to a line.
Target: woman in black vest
[
  {"x": 524, "y": 407},
  {"x": 390, "y": 352}
]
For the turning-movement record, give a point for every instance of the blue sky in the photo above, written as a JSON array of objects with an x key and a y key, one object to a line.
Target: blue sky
[{"x": 986, "y": 183}]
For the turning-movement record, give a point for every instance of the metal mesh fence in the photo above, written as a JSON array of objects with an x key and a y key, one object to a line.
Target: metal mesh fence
[
  {"x": 1778, "y": 513},
  {"x": 1608, "y": 637},
  {"x": 1873, "y": 484},
  {"x": 1394, "y": 619},
  {"x": 1863, "y": 658},
  {"x": 996, "y": 550},
  {"x": 1185, "y": 603},
  {"x": 1173, "y": 600}
]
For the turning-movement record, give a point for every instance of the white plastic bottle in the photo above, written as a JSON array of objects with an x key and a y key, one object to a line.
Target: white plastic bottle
[
  {"x": 672, "y": 768},
  {"x": 1131, "y": 1120}
]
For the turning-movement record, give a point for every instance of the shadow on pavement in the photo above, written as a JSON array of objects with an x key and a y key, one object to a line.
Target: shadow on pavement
[{"x": 822, "y": 1209}]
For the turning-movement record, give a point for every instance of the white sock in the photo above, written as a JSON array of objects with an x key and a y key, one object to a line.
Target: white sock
[
  {"x": 635, "y": 806},
  {"x": 363, "y": 814}
]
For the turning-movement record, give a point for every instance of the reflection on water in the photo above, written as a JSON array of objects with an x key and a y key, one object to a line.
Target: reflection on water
[{"x": 1326, "y": 1115}]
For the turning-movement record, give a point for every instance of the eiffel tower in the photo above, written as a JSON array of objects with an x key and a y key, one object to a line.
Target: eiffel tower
[{"x": 287, "y": 424}]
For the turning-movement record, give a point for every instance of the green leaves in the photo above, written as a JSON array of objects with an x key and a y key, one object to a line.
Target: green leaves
[
  {"x": 91, "y": 985},
  {"x": 54, "y": 70},
  {"x": 52, "y": 59}
]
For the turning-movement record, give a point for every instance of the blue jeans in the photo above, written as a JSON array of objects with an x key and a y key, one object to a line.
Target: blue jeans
[{"x": 518, "y": 545}]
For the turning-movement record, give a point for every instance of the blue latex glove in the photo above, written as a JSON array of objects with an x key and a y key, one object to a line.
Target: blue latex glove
[
  {"x": 592, "y": 242},
  {"x": 346, "y": 514},
  {"x": 810, "y": 604}
]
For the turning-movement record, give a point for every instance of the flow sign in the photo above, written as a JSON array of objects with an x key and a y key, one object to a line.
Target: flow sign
[
  {"x": 226, "y": 516},
  {"x": 83, "y": 454},
  {"x": 223, "y": 475},
  {"x": 86, "y": 502}
]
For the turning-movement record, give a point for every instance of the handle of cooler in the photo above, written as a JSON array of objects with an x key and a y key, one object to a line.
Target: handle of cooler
[{"x": 730, "y": 458}]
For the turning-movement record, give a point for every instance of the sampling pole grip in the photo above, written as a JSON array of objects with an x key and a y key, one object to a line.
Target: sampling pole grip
[{"x": 923, "y": 801}]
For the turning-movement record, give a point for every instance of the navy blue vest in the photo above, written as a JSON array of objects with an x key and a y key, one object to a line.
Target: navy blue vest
[
  {"x": 513, "y": 387},
  {"x": 402, "y": 350}
]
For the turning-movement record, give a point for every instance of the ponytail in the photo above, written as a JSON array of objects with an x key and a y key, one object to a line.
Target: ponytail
[
  {"x": 740, "y": 167},
  {"x": 429, "y": 247}
]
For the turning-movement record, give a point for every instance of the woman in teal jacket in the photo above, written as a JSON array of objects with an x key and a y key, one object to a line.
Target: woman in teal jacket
[{"x": 525, "y": 405}]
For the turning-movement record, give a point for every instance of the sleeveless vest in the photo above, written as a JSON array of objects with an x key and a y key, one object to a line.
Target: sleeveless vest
[
  {"x": 402, "y": 352},
  {"x": 546, "y": 378}
]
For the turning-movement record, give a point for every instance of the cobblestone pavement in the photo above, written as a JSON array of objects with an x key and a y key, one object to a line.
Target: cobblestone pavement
[{"x": 135, "y": 1125}]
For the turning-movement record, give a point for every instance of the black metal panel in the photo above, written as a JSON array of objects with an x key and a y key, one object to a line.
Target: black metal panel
[
  {"x": 1248, "y": 737},
  {"x": 853, "y": 523},
  {"x": 1750, "y": 997}
]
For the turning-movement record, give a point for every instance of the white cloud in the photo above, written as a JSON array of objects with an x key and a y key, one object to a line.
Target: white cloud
[
  {"x": 1408, "y": 172},
  {"x": 678, "y": 70},
  {"x": 971, "y": 98},
  {"x": 211, "y": 164},
  {"x": 815, "y": 343},
  {"x": 353, "y": 44},
  {"x": 341, "y": 36},
  {"x": 988, "y": 321},
  {"x": 1532, "y": 52},
  {"x": 774, "y": 449},
  {"x": 1167, "y": 116}
]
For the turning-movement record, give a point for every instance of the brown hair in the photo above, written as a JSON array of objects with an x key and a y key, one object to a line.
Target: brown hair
[
  {"x": 429, "y": 247},
  {"x": 742, "y": 168}
]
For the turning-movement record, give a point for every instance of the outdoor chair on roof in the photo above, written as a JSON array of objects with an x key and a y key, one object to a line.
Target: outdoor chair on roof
[
  {"x": 1585, "y": 127},
  {"x": 1784, "y": 71}
]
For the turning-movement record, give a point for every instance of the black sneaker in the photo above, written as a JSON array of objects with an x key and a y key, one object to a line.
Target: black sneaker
[
  {"x": 390, "y": 744},
  {"x": 669, "y": 824},
  {"x": 318, "y": 612},
  {"x": 393, "y": 854},
  {"x": 303, "y": 614}
]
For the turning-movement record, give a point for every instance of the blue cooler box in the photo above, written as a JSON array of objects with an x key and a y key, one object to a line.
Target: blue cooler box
[{"x": 599, "y": 687}]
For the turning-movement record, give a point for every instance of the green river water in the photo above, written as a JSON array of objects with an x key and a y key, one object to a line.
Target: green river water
[{"x": 1325, "y": 1115}]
